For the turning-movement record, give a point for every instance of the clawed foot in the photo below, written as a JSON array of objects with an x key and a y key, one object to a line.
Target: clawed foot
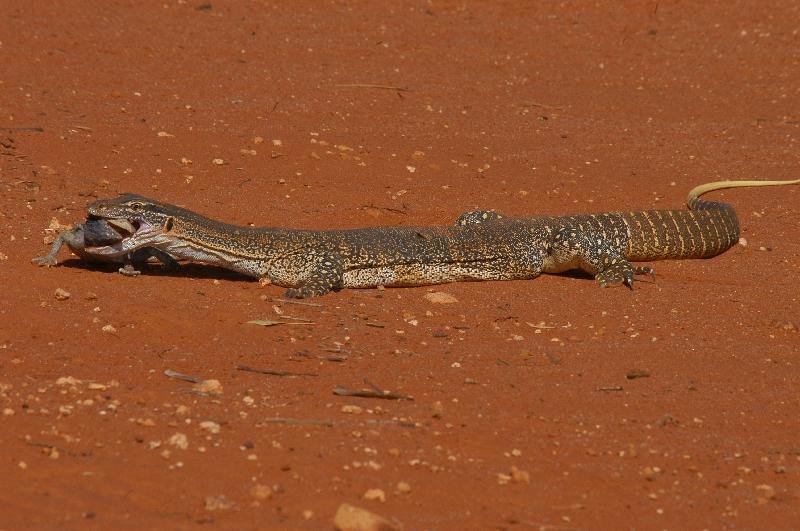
[
  {"x": 622, "y": 273},
  {"x": 296, "y": 293},
  {"x": 129, "y": 271},
  {"x": 304, "y": 292},
  {"x": 310, "y": 289}
]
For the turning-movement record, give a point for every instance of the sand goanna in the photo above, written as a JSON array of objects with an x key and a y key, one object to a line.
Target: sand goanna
[{"x": 482, "y": 245}]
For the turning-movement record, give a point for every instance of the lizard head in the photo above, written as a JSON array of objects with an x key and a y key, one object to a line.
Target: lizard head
[{"x": 141, "y": 221}]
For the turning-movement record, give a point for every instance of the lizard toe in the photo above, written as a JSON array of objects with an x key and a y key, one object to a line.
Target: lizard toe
[{"x": 620, "y": 273}]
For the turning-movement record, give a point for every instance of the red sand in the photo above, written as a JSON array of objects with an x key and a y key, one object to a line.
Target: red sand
[{"x": 528, "y": 109}]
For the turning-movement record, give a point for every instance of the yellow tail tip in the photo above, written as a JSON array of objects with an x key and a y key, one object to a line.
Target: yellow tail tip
[{"x": 697, "y": 191}]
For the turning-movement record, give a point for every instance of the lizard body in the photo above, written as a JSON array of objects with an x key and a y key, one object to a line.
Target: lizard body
[{"x": 482, "y": 245}]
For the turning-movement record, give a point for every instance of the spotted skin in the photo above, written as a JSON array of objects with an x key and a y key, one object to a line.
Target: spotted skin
[
  {"x": 482, "y": 245},
  {"x": 478, "y": 216}
]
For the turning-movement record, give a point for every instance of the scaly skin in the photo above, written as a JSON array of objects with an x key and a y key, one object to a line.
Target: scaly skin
[{"x": 483, "y": 245}]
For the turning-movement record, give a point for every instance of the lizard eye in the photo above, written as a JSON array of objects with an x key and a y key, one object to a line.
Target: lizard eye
[
  {"x": 136, "y": 206},
  {"x": 168, "y": 224}
]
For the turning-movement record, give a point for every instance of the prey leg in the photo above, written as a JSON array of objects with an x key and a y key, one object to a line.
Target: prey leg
[{"x": 72, "y": 238}]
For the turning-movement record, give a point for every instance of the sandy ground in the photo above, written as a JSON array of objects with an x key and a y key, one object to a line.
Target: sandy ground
[{"x": 549, "y": 404}]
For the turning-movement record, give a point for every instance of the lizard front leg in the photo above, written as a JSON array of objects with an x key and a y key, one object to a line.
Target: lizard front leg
[
  {"x": 323, "y": 275},
  {"x": 138, "y": 258}
]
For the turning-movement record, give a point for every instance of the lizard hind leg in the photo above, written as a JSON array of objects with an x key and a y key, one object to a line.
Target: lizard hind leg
[{"x": 594, "y": 254}]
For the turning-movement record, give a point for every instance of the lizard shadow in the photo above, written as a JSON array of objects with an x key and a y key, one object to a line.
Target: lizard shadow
[
  {"x": 190, "y": 270},
  {"x": 184, "y": 271},
  {"x": 575, "y": 273}
]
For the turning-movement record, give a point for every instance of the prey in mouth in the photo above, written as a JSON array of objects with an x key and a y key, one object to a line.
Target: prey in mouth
[{"x": 106, "y": 240}]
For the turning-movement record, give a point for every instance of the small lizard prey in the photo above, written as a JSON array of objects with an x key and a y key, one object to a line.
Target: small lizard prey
[{"x": 90, "y": 240}]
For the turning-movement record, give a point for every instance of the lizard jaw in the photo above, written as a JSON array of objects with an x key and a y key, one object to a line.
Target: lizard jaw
[{"x": 134, "y": 234}]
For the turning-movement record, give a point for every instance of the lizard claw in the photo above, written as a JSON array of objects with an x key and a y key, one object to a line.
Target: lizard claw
[{"x": 616, "y": 274}]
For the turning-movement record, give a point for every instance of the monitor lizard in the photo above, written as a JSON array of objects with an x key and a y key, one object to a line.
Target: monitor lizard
[{"x": 482, "y": 245}]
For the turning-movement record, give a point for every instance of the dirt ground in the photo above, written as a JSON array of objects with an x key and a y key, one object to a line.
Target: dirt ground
[{"x": 549, "y": 404}]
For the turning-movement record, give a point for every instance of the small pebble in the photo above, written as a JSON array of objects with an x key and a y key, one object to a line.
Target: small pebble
[
  {"x": 179, "y": 440},
  {"x": 520, "y": 476},
  {"x": 210, "y": 426},
  {"x": 766, "y": 493},
  {"x": 62, "y": 294},
  {"x": 68, "y": 380},
  {"x": 218, "y": 503},
  {"x": 261, "y": 492},
  {"x": 211, "y": 387},
  {"x": 374, "y": 494},
  {"x": 351, "y": 518},
  {"x": 440, "y": 297}
]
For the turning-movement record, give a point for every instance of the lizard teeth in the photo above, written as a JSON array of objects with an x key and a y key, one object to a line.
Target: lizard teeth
[{"x": 123, "y": 224}]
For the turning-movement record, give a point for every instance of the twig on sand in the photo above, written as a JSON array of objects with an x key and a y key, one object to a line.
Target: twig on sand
[
  {"x": 302, "y": 303},
  {"x": 542, "y": 526},
  {"x": 542, "y": 105},
  {"x": 297, "y": 422},
  {"x": 375, "y": 392},
  {"x": 180, "y": 376},
  {"x": 335, "y": 359},
  {"x": 387, "y": 209},
  {"x": 273, "y": 372},
  {"x": 34, "y": 129},
  {"x": 374, "y": 86}
]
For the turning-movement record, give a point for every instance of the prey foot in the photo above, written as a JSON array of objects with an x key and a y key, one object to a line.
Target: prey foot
[{"x": 47, "y": 260}]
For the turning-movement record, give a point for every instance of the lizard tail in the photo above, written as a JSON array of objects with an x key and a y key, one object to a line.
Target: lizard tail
[{"x": 695, "y": 193}]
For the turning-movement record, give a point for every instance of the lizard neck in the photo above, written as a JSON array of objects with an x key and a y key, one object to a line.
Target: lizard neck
[{"x": 247, "y": 250}]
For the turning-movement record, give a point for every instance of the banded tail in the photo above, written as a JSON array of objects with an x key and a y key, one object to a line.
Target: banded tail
[{"x": 707, "y": 229}]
